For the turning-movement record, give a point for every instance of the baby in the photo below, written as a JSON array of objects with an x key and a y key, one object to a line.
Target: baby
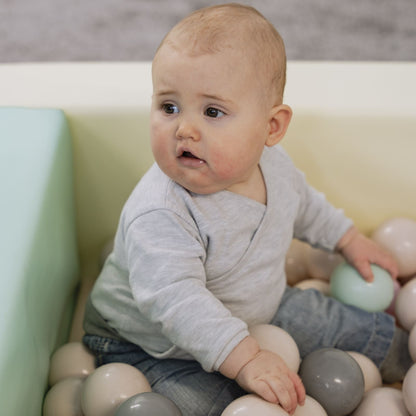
[{"x": 200, "y": 249}]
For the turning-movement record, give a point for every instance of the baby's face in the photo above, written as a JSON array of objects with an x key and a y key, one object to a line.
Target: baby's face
[{"x": 209, "y": 119}]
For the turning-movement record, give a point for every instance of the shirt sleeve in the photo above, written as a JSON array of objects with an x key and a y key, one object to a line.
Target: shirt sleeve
[
  {"x": 166, "y": 255},
  {"x": 318, "y": 222}
]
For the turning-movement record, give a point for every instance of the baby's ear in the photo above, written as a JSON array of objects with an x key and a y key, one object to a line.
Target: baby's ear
[{"x": 279, "y": 120}]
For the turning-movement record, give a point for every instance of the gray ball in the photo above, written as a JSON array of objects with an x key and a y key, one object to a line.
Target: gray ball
[
  {"x": 334, "y": 379},
  {"x": 148, "y": 404}
]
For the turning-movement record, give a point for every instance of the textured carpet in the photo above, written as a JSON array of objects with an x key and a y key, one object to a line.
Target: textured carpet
[{"x": 130, "y": 30}]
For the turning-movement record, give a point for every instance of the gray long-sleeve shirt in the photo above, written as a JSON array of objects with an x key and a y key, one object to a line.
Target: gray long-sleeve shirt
[{"x": 189, "y": 273}]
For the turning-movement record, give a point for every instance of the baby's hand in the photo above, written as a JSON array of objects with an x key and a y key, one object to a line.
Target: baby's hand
[
  {"x": 360, "y": 252},
  {"x": 268, "y": 376},
  {"x": 264, "y": 373}
]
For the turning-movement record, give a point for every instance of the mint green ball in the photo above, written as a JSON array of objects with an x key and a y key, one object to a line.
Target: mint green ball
[{"x": 349, "y": 287}]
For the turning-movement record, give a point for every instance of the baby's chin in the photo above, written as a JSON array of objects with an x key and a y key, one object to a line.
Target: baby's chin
[
  {"x": 197, "y": 180},
  {"x": 201, "y": 190}
]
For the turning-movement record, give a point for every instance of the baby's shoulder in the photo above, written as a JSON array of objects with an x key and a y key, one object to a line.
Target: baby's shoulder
[{"x": 155, "y": 192}]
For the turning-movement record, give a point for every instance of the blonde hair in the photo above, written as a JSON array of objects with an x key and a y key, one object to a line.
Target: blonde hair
[{"x": 233, "y": 25}]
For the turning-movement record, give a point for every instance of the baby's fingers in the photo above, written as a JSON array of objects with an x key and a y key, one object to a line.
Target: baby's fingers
[
  {"x": 365, "y": 271},
  {"x": 299, "y": 388},
  {"x": 264, "y": 390},
  {"x": 388, "y": 263},
  {"x": 285, "y": 392}
]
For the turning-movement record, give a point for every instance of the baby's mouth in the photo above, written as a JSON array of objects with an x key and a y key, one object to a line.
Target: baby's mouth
[
  {"x": 190, "y": 160},
  {"x": 189, "y": 154}
]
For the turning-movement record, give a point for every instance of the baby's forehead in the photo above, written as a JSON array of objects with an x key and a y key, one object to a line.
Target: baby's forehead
[
  {"x": 237, "y": 30},
  {"x": 226, "y": 75},
  {"x": 196, "y": 43}
]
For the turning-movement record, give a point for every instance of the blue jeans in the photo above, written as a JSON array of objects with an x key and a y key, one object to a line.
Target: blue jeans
[{"x": 314, "y": 321}]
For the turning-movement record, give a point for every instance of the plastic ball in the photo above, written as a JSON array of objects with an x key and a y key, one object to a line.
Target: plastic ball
[
  {"x": 405, "y": 305},
  {"x": 148, "y": 404},
  {"x": 409, "y": 390},
  {"x": 310, "y": 408},
  {"x": 64, "y": 398},
  {"x": 412, "y": 343},
  {"x": 250, "y": 405},
  {"x": 404, "y": 280},
  {"x": 110, "y": 385},
  {"x": 349, "y": 287},
  {"x": 382, "y": 401},
  {"x": 320, "y": 263},
  {"x": 71, "y": 360},
  {"x": 334, "y": 379},
  {"x": 277, "y": 340},
  {"x": 295, "y": 264},
  {"x": 392, "y": 307},
  {"x": 317, "y": 284},
  {"x": 398, "y": 236},
  {"x": 372, "y": 376}
]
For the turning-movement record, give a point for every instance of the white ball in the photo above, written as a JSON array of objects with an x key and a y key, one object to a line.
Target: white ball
[
  {"x": 412, "y": 343},
  {"x": 318, "y": 284},
  {"x": 382, "y": 401},
  {"x": 295, "y": 262},
  {"x": 372, "y": 376},
  {"x": 320, "y": 263},
  {"x": 310, "y": 408},
  {"x": 71, "y": 360},
  {"x": 110, "y": 385},
  {"x": 405, "y": 305},
  {"x": 277, "y": 340},
  {"x": 64, "y": 398},
  {"x": 252, "y": 405},
  {"x": 409, "y": 390},
  {"x": 398, "y": 236}
]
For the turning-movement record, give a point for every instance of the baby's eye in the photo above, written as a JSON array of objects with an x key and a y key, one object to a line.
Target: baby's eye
[
  {"x": 170, "y": 108},
  {"x": 214, "y": 112}
]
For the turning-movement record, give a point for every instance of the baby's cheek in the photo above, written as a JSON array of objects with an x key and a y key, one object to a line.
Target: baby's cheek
[
  {"x": 225, "y": 167},
  {"x": 158, "y": 140}
]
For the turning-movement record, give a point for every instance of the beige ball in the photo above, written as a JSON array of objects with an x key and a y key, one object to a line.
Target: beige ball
[
  {"x": 372, "y": 376},
  {"x": 409, "y": 390},
  {"x": 110, "y": 385},
  {"x": 277, "y": 340},
  {"x": 320, "y": 263},
  {"x": 405, "y": 305},
  {"x": 310, "y": 408},
  {"x": 295, "y": 262},
  {"x": 71, "y": 360},
  {"x": 412, "y": 343},
  {"x": 318, "y": 284},
  {"x": 64, "y": 398},
  {"x": 252, "y": 405},
  {"x": 398, "y": 236},
  {"x": 382, "y": 401}
]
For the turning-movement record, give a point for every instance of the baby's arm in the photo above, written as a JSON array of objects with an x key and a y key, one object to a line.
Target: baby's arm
[
  {"x": 264, "y": 373},
  {"x": 360, "y": 252}
]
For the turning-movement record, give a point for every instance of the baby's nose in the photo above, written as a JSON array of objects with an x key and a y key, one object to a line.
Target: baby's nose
[{"x": 187, "y": 130}]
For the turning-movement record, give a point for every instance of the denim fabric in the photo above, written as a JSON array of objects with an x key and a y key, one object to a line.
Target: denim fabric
[
  {"x": 317, "y": 321},
  {"x": 314, "y": 321},
  {"x": 195, "y": 392}
]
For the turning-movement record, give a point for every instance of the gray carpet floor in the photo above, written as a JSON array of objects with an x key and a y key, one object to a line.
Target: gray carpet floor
[{"x": 130, "y": 30}]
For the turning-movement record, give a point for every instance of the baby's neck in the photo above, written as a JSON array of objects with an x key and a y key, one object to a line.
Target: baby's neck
[{"x": 255, "y": 188}]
